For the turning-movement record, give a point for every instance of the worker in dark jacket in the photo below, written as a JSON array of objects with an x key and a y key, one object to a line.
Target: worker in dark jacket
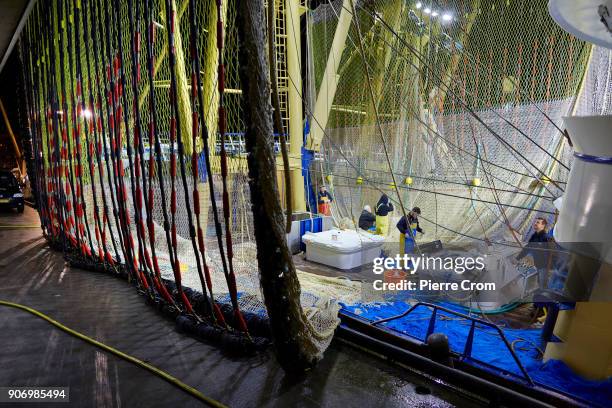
[
  {"x": 382, "y": 210},
  {"x": 324, "y": 200},
  {"x": 538, "y": 247},
  {"x": 366, "y": 219},
  {"x": 408, "y": 226}
]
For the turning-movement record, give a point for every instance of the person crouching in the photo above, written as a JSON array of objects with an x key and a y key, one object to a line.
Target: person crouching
[{"x": 366, "y": 219}]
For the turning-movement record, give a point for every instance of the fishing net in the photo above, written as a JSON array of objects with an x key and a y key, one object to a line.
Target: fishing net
[
  {"x": 122, "y": 91},
  {"x": 595, "y": 97},
  {"x": 455, "y": 99},
  {"x": 138, "y": 133}
]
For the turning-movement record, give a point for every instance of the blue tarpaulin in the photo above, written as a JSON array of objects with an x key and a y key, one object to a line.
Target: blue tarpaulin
[{"x": 489, "y": 348}]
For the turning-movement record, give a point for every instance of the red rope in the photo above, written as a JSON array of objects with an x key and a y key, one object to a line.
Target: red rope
[
  {"x": 217, "y": 315},
  {"x": 231, "y": 278},
  {"x": 172, "y": 95}
]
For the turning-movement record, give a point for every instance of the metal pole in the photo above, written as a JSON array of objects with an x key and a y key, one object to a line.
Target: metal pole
[{"x": 296, "y": 132}]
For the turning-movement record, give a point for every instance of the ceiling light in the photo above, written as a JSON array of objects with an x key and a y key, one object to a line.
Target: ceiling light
[
  {"x": 447, "y": 17},
  {"x": 434, "y": 14},
  {"x": 427, "y": 10},
  {"x": 86, "y": 113},
  {"x": 419, "y": 5}
]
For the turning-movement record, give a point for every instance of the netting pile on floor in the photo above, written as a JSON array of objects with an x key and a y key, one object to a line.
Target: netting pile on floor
[{"x": 458, "y": 101}]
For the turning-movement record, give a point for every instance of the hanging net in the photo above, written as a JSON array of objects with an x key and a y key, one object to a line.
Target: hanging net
[
  {"x": 135, "y": 111},
  {"x": 463, "y": 109},
  {"x": 138, "y": 135}
]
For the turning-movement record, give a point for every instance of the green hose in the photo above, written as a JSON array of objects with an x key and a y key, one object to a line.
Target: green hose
[{"x": 503, "y": 309}]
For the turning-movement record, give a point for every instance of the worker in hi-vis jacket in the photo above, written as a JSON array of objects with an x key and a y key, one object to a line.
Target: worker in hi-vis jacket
[
  {"x": 382, "y": 210},
  {"x": 324, "y": 200},
  {"x": 408, "y": 226}
]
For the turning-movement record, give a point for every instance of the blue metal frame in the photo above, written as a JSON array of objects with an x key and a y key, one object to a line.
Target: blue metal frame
[{"x": 467, "y": 352}]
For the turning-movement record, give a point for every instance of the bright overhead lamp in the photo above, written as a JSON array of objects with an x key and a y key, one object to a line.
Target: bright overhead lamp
[
  {"x": 418, "y": 5},
  {"x": 434, "y": 14},
  {"x": 447, "y": 17},
  {"x": 427, "y": 10}
]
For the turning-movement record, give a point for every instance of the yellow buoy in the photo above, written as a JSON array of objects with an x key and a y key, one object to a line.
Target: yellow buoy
[
  {"x": 329, "y": 178},
  {"x": 476, "y": 182},
  {"x": 408, "y": 181},
  {"x": 392, "y": 185},
  {"x": 508, "y": 84},
  {"x": 359, "y": 180},
  {"x": 545, "y": 180}
]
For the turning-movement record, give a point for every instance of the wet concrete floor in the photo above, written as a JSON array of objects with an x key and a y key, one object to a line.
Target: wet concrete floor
[{"x": 34, "y": 353}]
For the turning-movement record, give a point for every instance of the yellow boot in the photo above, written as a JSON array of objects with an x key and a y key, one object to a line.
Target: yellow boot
[{"x": 382, "y": 225}]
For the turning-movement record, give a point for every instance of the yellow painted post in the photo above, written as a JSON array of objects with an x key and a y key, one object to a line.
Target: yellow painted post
[
  {"x": 182, "y": 84},
  {"x": 18, "y": 156},
  {"x": 586, "y": 340},
  {"x": 329, "y": 84},
  {"x": 292, "y": 21},
  {"x": 210, "y": 91}
]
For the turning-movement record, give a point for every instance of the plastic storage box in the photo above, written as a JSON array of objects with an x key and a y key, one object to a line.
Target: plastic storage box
[{"x": 343, "y": 249}]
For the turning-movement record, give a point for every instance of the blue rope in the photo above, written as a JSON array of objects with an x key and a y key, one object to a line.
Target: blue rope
[{"x": 593, "y": 159}]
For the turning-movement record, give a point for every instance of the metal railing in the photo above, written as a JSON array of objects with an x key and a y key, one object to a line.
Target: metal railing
[
  {"x": 235, "y": 144},
  {"x": 467, "y": 351}
]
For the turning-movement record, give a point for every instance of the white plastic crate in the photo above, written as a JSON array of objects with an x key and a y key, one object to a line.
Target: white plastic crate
[{"x": 343, "y": 249}]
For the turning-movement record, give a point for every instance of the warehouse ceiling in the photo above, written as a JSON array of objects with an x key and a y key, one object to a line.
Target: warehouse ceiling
[{"x": 10, "y": 14}]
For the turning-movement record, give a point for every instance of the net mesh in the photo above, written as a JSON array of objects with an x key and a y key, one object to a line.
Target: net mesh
[
  {"x": 462, "y": 110},
  {"x": 469, "y": 106},
  {"x": 117, "y": 114},
  {"x": 595, "y": 98}
]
